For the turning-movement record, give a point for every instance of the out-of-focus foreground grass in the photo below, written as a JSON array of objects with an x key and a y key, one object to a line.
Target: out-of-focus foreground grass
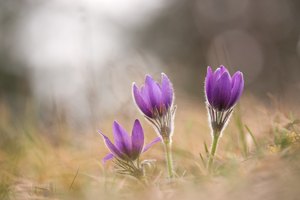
[{"x": 257, "y": 158}]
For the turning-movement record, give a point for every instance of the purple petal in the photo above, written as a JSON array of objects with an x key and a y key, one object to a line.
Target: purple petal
[
  {"x": 209, "y": 84},
  {"x": 219, "y": 72},
  {"x": 221, "y": 92},
  {"x": 137, "y": 140},
  {"x": 140, "y": 102},
  {"x": 122, "y": 139},
  {"x": 237, "y": 88},
  {"x": 154, "y": 92},
  {"x": 145, "y": 95},
  {"x": 167, "y": 90},
  {"x": 156, "y": 140},
  {"x": 113, "y": 149},
  {"x": 107, "y": 157}
]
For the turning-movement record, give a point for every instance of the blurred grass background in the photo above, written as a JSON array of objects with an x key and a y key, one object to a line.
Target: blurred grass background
[
  {"x": 66, "y": 69},
  {"x": 56, "y": 163}
]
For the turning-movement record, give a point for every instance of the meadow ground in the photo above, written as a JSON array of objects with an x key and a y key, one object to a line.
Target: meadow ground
[{"x": 257, "y": 158}]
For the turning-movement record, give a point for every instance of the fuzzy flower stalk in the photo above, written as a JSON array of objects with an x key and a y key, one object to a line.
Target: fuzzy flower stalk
[
  {"x": 222, "y": 93},
  {"x": 127, "y": 149},
  {"x": 156, "y": 102}
]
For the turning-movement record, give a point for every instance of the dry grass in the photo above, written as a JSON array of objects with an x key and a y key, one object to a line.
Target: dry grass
[{"x": 41, "y": 163}]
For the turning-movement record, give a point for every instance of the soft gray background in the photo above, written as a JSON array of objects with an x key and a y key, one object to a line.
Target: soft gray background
[{"x": 81, "y": 56}]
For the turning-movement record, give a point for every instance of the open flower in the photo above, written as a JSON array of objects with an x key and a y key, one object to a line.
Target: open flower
[
  {"x": 126, "y": 147},
  {"x": 223, "y": 91}
]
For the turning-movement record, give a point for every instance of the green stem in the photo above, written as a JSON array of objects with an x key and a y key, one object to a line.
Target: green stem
[
  {"x": 214, "y": 145},
  {"x": 169, "y": 160}
]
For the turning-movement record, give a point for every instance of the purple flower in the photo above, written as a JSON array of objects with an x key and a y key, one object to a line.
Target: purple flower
[
  {"x": 223, "y": 91},
  {"x": 154, "y": 99},
  {"x": 126, "y": 147}
]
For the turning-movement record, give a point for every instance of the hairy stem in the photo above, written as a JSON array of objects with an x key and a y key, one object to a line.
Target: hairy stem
[
  {"x": 169, "y": 160},
  {"x": 214, "y": 145}
]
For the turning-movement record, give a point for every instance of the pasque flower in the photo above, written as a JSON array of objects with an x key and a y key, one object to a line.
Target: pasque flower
[
  {"x": 156, "y": 102},
  {"x": 127, "y": 149},
  {"x": 222, "y": 93}
]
